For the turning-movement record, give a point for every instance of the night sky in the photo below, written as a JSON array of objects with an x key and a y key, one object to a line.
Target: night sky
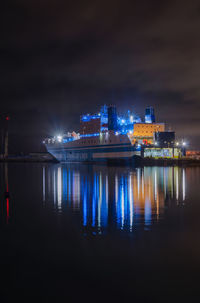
[{"x": 60, "y": 59}]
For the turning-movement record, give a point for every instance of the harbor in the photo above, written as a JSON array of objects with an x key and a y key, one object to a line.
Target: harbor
[
  {"x": 110, "y": 138},
  {"x": 100, "y": 151}
]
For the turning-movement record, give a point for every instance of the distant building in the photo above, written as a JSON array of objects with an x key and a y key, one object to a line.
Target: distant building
[
  {"x": 168, "y": 152},
  {"x": 193, "y": 154},
  {"x": 143, "y": 133},
  {"x": 164, "y": 139},
  {"x": 149, "y": 115}
]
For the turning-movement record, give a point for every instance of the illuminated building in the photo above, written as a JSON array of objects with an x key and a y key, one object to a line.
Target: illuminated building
[
  {"x": 127, "y": 121},
  {"x": 108, "y": 135},
  {"x": 143, "y": 133},
  {"x": 194, "y": 154},
  {"x": 162, "y": 152},
  {"x": 164, "y": 139},
  {"x": 108, "y": 119}
]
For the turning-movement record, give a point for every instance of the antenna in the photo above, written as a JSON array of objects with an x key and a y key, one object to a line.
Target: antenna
[{"x": 6, "y": 138}]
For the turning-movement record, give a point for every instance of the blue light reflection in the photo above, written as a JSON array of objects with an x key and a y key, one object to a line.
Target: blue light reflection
[{"x": 111, "y": 197}]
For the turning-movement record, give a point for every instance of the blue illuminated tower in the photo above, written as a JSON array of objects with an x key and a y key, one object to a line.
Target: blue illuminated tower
[
  {"x": 112, "y": 118},
  {"x": 149, "y": 115}
]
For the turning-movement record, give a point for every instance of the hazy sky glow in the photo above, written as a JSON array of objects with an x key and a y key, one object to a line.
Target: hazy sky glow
[{"x": 63, "y": 58}]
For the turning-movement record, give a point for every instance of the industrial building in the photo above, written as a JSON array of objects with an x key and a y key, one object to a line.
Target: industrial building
[
  {"x": 127, "y": 123},
  {"x": 143, "y": 133},
  {"x": 164, "y": 138},
  {"x": 193, "y": 154},
  {"x": 160, "y": 152},
  {"x": 108, "y": 135},
  {"x": 154, "y": 140},
  {"x": 108, "y": 119}
]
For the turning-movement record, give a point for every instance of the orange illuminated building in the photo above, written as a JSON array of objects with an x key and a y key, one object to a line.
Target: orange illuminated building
[
  {"x": 194, "y": 154},
  {"x": 144, "y": 132}
]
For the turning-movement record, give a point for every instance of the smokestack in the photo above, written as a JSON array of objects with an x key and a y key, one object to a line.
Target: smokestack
[{"x": 112, "y": 118}]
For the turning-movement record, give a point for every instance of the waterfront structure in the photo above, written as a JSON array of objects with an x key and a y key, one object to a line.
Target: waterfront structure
[
  {"x": 158, "y": 152},
  {"x": 164, "y": 138},
  {"x": 100, "y": 139},
  {"x": 107, "y": 136},
  {"x": 193, "y": 154},
  {"x": 94, "y": 147},
  {"x": 108, "y": 119},
  {"x": 143, "y": 133}
]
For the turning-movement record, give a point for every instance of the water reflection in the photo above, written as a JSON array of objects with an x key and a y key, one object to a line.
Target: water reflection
[
  {"x": 113, "y": 198},
  {"x": 5, "y": 211},
  {"x": 7, "y": 195}
]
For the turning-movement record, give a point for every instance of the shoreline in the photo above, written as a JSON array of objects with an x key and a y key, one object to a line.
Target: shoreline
[
  {"x": 170, "y": 162},
  {"x": 139, "y": 162},
  {"x": 28, "y": 161}
]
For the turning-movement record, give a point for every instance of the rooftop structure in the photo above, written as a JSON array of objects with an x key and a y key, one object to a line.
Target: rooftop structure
[
  {"x": 108, "y": 119},
  {"x": 143, "y": 133},
  {"x": 149, "y": 115},
  {"x": 128, "y": 123},
  {"x": 164, "y": 138}
]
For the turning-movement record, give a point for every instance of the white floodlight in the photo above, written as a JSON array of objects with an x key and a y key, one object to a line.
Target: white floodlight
[
  {"x": 131, "y": 119},
  {"x": 59, "y": 138}
]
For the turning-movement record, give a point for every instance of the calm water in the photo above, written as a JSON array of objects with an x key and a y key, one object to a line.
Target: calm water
[{"x": 70, "y": 232}]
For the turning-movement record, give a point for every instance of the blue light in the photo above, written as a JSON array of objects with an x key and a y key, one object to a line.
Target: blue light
[
  {"x": 103, "y": 128},
  {"x": 85, "y": 203},
  {"x": 69, "y": 185},
  {"x": 104, "y": 207},
  {"x": 89, "y": 135},
  {"x": 85, "y": 118},
  {"x": 88, "y": 117},
  {"x": 147, "y": 212},
  {"x": 68, "y": 140},
  {"x": 64, "y": 184},
  {"x": 94, "y": 200}
]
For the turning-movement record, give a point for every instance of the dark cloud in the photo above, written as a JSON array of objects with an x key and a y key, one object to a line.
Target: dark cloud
[{"x": 61, "y": 58}]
